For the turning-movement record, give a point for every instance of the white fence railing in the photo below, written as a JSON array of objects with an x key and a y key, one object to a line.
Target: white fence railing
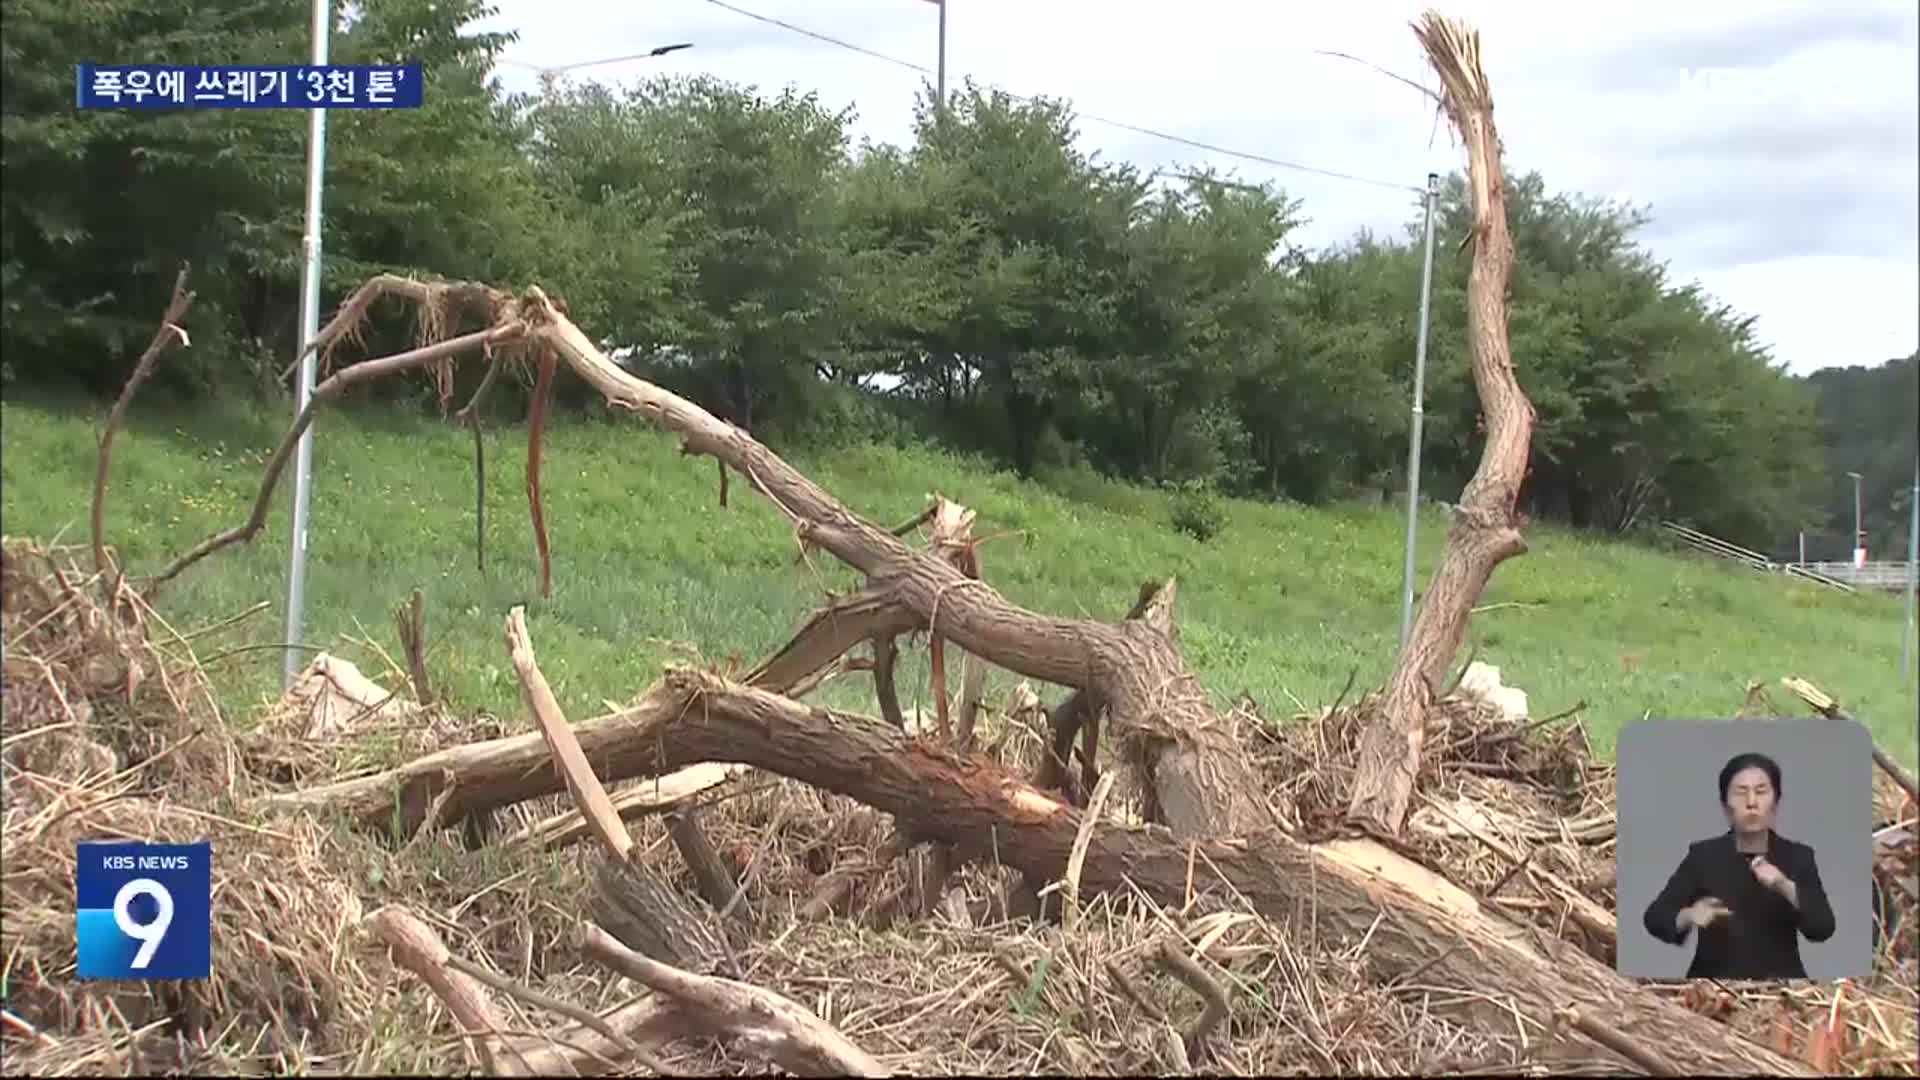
[
  {"x": 1891, "y": 576},
  {"x": 1878, "y": 576}
]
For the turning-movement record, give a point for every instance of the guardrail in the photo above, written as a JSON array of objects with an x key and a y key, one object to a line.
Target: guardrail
[
  {"x": 1883, "y": 576},
  {"x": 1713, "y": 545}
]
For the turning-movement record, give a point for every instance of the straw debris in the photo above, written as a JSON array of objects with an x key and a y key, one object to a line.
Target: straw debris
[{"x": 1134, "y": 986}]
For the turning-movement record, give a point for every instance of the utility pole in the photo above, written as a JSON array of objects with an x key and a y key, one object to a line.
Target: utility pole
[
  {"x": 940, "y": 71},
  {"x": 309, "y": 327},
  {"x": 1419, "y": 413},
  {"x": 1913, "y": 573}
]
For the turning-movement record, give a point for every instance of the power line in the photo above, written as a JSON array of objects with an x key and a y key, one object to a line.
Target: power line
[
  {"x": 861, "y": 49},
  {"x": 1212, "y": 148},
  {"x": 650, "y": 54}
]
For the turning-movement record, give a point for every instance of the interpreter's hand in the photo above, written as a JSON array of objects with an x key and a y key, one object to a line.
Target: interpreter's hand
[
  {"x": 1768, "y": 874},
  {"x": 1704, "y": 912}
]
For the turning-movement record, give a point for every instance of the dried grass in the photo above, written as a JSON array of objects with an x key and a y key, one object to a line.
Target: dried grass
[
  {"x": 111, "y": 730},
  {"x": 110, "y": 735}
]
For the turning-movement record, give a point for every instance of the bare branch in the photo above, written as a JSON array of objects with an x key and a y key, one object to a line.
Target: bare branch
[
  {"x": 168, "y": 333},
  {"x": 335, "y": 385},
  {"x": 788, "y": 1033},
  {"x": 1190, "y": 972},
  {"x": 418, "y": 949}
]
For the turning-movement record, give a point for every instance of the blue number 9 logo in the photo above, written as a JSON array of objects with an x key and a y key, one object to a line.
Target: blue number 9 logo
[{"x": 149, "y": 934}]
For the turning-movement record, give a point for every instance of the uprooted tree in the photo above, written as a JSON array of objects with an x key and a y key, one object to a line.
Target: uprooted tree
[{"x": 1209, "y": 821}]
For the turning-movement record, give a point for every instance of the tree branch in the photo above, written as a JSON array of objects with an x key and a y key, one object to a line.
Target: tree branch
[
  {"x": 788, "y": 1033},
  {"x": 168, "y": 332}
]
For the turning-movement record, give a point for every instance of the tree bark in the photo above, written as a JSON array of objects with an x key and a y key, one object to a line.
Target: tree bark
[
  {"x": 1156, "y": 708},
  {"x": 1418, "y": 927},
  {"x": 1486, "y": 528}
]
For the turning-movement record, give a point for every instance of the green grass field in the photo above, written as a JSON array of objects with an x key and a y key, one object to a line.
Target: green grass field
[{"x": 648, "y": 569}]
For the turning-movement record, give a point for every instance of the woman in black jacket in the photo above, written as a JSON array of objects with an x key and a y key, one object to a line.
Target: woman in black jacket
[{"x": 1749, "y": 892}]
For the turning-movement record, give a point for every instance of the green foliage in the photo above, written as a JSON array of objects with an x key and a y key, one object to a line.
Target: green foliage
[
  {"x": 1866, "y": 418},
  {"x": 1197, "y": 509},
  {"x": 98, "y": 208},
  {"x": 1283, "y": 603},
  {"x": 988, "y": 286}
]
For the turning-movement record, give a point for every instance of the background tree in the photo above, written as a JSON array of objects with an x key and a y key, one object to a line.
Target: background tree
[{"x": 988, "y": 286}]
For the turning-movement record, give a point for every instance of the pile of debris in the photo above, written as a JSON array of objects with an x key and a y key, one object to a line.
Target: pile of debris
[{"x": 469, "y": 927}]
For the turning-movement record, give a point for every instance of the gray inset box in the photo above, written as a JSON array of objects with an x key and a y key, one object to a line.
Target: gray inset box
[{"x": 1669, "y": 804}]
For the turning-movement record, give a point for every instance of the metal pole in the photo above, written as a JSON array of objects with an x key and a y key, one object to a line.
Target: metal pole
[
  {"x": 309, "y": 326},
  {"x": 1419, "y": 413},
  {"x": 940, "y": 76},
  {"x": 1913, "y": 574},
  {"x": 1803, "y": 547},
  {"x": 1859, "y": 524}
]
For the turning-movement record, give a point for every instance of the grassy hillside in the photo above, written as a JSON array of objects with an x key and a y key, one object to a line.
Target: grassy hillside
[{"x": 647, "y": 568}]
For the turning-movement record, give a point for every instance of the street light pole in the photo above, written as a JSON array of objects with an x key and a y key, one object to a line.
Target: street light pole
[
  {"x": 1913, "y": 573},
  {"x": 309, "y": 327},
  {"x": 1859, "y": 525},
  {"x": 1419, "y": 413},
  {"x": 940, "y": 70}
]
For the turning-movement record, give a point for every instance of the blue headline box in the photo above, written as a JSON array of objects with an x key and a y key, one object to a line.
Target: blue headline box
[
  {"x": 144, "y": 911},
  {"x": 228, "y": 86}
]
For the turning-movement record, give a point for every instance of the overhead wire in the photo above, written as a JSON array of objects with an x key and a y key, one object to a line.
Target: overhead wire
[
  {"x": 1212, "y": 148},
  {"x": 1166, "y": 136}
]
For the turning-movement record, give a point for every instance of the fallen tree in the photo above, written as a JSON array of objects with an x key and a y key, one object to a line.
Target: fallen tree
[
  {"x": 1213, "y": 823},
  {"x": 1421, "y": 933},
  {"x": 1181, "y": 745}
]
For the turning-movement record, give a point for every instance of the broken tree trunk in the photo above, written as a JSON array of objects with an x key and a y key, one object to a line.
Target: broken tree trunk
[
  {"x": 1418, "y": 927},
  {"x": 1486, "y": 529},
  {"x": 1157, "y": 711}
]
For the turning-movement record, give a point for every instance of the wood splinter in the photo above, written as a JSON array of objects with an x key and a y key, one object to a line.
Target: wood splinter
[{"x": 647, "y": 912}]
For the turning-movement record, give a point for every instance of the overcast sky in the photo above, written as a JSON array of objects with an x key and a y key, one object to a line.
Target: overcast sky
[{"x": 1776, "y": 144}]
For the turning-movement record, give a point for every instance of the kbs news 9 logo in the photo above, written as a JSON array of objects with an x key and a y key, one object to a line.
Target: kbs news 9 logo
[{"x": 144, "y": 911}]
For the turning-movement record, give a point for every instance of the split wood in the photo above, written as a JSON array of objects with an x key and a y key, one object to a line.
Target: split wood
[
  {"x": 1824, "y": 704},
  {"x": 1486, "y": 526}
]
